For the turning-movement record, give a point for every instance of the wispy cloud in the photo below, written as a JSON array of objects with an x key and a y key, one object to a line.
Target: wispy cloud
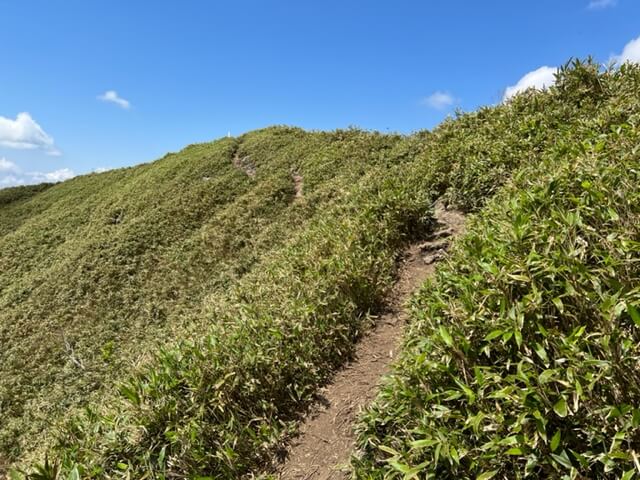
[
  {"x": 25, "y": 133},
  {"x": 55, "y": 176},
  {"x": 601, "y": 4},
  {"x": 8, "y": 167},
  {"x": 112, "y": 96},
  {"x": 11, "y": 175},
  {"x": 539, "y": 79},
  {"x": 630, "y": 53},
  {"x": 439, "y": 100},
  {"x": 9, "y": 181}
]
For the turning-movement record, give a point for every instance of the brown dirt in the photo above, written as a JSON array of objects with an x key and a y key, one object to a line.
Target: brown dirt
[
  {"x": 245, "y": 164},
  {"x": 4, "y": 467},
  {"x": 325, "y": 441},
  {"x": 298, "y": 185}
]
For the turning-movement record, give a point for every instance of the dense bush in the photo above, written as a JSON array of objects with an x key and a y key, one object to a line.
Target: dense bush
[{"x": 523, "y": 355}]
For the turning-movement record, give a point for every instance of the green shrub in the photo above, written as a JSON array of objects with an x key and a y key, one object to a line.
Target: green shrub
[{"x": 522, "y": 355}]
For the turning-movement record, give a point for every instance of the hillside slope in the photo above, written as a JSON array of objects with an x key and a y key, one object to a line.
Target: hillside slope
[
  {"x": 523, "y": 355},
  {"x": 196, "y": 308},
  {"x": 96, "y": 271}
]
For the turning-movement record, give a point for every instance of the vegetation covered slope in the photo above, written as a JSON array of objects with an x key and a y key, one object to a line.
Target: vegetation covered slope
[
  {"x": 523, "y": 354},
  {"x": 258, "y": 340},
  {"x": 97, "y": 271}
]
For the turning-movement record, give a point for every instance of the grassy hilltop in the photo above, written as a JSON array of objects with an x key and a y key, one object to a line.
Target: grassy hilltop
[
  {"x": 169, "y": 320},
  {"x": 99, "y": 271}
]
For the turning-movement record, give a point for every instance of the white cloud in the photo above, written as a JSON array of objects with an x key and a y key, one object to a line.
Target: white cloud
[
  {"x": 113, "y": 97},
  {"x": 544, "y": 77},
  {"x": 10, "y": 181},
  {"x": 7, "y": 166},
  {"x": 541, "y": 78},
  {"x": 630, "y": 53},
  {"x": 55, "y": 176},
  {"x": 439, "y": 100},
  {"x": 25, "y": 133},
  {"x": 601, "y": 4},
  {"x": 11, "y": 175}
]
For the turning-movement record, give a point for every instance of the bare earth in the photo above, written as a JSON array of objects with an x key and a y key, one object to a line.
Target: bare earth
[
  {"x": 245, "y": 164},
  {"x": 298, "y": 184},
  {"x": 326, "y": 439}
]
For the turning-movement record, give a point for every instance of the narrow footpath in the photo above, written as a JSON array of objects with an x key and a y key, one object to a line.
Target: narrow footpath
[{"x": 325, "y": 442}]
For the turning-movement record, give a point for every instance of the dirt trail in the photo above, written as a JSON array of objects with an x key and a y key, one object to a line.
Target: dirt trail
[
  {"x": 326, "y": 437},
  {"x": 245, "y": 164},
  {"x": 298, "y": 185}
]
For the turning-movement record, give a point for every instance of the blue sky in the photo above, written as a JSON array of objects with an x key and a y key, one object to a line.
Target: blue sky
[{"x": 190, "y": 71}]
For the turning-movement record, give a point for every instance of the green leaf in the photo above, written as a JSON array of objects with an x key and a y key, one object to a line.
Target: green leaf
[
  {"x": 520, "y": 278},
  {"x": 467, "y": 391},
  {"x": 634, "y": 314},
  {"x": 161, "y": 456},
  {"x": 514, "y": 451},
  {"x": 401, "y": 467},
  {"x": 541, "y": 352},
  {"x": 518, "y": 337},
  {"x": 541, "y": 428},
  {"x": 577, "y": 333},
  {"x": 558, "y": 303},
  {"x": 555, "y": 440},
  {"x": 545, "y": 376},
  {"x": 487, "y": 475},
  {"x": 492, "y": 335},
  {"x": 511, "y": 440},
  {"x": 563, "y": 459},
  {"x": 446, "y": 336},
  {"x": 614, "y": 413},
  {"x": 532, "y": 463},
  {"x": 628, "y": 475},
  {"x": 635, "y": 420},
  {"x": 436, "y": 453},
  {"x": 131, "y": 394},
  {"x": 424, "y": 443},
  {"x": 561, "y": 407},
  {"x": 74, "y": 474},
  {"x": 413, "y": 472},
  {"x": 390, "y": 450},
  {"x": 584, "y": 463},
  {"x": 453, "y": 453}
]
